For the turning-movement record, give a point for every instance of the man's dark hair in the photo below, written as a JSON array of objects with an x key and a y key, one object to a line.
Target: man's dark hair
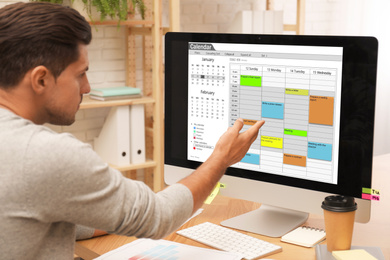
[{"x": 34, "y": 34}]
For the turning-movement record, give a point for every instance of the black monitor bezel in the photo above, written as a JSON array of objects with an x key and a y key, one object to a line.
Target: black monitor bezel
[{"x": 358, "y": 81}]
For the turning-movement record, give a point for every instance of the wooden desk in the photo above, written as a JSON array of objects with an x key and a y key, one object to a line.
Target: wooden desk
[{"x": 374, "y": 233}]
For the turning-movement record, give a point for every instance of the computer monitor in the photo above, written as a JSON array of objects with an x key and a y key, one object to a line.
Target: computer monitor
[{"x": 317, "y": 97}]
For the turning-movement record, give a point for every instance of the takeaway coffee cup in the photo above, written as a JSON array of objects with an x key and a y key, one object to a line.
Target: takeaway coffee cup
[{"x": 339, "y": 215}]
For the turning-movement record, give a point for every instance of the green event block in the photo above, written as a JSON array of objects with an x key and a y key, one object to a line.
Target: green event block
[
  {"x": 248, "y": 80},
  {"x": 294, "y": 91},
  {"x": 295, "y": 132}
]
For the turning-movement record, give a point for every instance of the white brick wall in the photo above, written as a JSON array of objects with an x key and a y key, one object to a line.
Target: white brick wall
[
  {"x": 322, "y": 16},
  {"x": 7, "y": 2},
  {"x": 106, "y": 54},
  {"x": 210, "y": 15}
]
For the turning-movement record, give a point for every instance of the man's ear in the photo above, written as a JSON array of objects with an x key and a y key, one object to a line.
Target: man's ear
[{"x": 41, "y": 79}]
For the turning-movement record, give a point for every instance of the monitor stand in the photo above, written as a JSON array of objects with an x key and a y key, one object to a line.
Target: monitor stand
[{"x": 268, "y": 221}]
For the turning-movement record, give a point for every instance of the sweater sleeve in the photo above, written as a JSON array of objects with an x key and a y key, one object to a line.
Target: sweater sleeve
[
  {"x": 72, "y": 184},
  {"x": 83, "y": 232}
]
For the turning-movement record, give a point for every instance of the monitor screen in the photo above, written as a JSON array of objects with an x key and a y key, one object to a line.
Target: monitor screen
[{"x": 315, "y": 93}]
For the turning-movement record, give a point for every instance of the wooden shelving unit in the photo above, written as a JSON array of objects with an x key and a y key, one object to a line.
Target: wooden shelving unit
[
  {"x": 299, "y": 26},
  {"x": 148, "y": 164},
  {"x": 152, "y": 32},
  {"x": 91, "y": 103}
]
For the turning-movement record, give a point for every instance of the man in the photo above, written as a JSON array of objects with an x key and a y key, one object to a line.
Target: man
[{"x": 51, "y": 182}]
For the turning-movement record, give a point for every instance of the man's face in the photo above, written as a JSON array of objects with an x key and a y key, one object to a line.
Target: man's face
[{"x": 67, "y": 92}]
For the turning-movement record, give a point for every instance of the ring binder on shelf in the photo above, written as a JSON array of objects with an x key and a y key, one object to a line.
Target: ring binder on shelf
[
  {"x": 137, "y": 134},
  {"x": 122, "y": 138},
  {"x": 113, "y": 143}
]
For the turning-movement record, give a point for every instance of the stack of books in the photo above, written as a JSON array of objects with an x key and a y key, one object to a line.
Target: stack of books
[{"x": 114, "y": 93}]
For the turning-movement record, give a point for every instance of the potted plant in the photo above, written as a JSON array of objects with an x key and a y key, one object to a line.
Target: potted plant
[{"x": 114, "y": 9}]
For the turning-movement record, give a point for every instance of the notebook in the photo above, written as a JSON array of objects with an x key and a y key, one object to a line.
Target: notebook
[
  {"x": 304, "y": 236},
  {"x": 355, "y": 254},
  {"x": 322, "y": 252}
]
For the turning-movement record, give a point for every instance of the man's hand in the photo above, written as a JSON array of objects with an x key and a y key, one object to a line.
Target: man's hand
[
  {"x": 233, "y": 145},
  {"x": 230, "y": 148}
]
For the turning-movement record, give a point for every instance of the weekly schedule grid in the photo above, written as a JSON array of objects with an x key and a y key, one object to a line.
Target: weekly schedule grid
[{"x": 295, "y": 89}]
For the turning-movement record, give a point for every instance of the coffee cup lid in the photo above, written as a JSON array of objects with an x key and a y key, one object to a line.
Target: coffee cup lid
[{"x": 338, "y": 203}]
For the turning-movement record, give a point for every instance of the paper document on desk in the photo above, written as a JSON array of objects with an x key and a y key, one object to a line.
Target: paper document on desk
[{"x": 167, "y": 250}]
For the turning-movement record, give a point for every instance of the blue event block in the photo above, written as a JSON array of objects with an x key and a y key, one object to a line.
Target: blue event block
[
  {"x": 319, "y": 151},
  {"x": 272, "y": 110},
  {"x": 251, "y": 158}
]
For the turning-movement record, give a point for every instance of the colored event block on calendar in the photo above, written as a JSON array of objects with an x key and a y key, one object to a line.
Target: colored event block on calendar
[
  {"x": 249, "y": 122},
  {"x": 293, "y": 159},
  {"x": 251, "y": 158},
  {"x": 319, "y": 151},
  {"x": 321, "y": 110},
  {"x": 273, "y": 142},
  {"x": 294, "y": 91},
  {"x": 295, "y": 132},
  {"x": 248, "y": 80},
  {"x": 272, "y": 110}
]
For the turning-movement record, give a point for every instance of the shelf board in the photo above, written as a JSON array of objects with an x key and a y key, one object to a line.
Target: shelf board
[
  {"x": 92, "y": 103},
  {"x": 127, "y": 23},
  {"x": 130, "y": 167}
]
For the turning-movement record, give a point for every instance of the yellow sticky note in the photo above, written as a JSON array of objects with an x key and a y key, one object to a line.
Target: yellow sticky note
[
  {"x": 355, "y": 254},
  {"x": 213, "y": 194},
  {"x": 371, "y": 191},
  {"x": 271, "y": 141}
]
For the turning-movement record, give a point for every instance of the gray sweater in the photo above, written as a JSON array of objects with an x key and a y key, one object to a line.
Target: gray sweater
[{"x": 50, "y": 182}]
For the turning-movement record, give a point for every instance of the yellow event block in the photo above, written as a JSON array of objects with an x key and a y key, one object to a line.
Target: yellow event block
[
  {"x": 295, "y": 91},
  {"x": 273, "y": 142}
]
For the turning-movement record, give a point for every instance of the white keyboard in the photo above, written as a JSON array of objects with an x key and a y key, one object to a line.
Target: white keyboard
[{"x": 230, "y": 240}]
